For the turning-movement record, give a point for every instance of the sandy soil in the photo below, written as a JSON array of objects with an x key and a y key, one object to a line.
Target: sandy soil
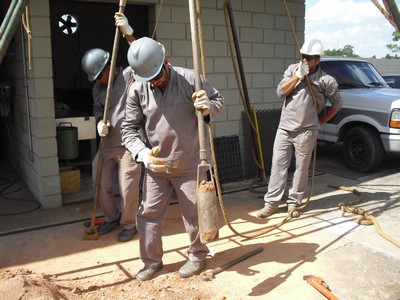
[{"x": 25, "y": 284}]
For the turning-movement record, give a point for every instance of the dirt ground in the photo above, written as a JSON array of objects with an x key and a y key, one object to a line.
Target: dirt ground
[
  {"x": 54, "y": 262},
  {"x": 25, "y": 284}
]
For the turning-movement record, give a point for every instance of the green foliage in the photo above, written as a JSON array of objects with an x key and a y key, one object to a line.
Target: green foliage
[
  {"x": 394, "y": 48},
  {"x": 346, "y": 51}
]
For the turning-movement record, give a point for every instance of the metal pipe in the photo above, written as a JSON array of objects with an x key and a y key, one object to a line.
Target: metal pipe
[
  {"x": 7, "y": 17},
  {"x": 196, "y": 65},
  {"x": 246, "y": 94},
  {"x": 91, "y": 233},
  {"x": 11, "y": 27}
]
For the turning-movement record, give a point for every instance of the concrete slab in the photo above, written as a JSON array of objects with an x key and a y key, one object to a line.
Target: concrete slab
[{"x": 354, "y": 260}]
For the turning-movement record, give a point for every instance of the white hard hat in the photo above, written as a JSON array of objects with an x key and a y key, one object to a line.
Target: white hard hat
[
  {"x": 146, "y": 58},
  {"x": 94, "y": 61},
  {"x": 312, "y": 47}
]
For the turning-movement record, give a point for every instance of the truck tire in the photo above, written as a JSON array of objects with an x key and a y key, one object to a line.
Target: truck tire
[{"x": 362, "y": 149}]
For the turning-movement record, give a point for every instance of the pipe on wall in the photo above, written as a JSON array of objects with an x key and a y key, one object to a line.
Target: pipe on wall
[{"x": 11, "y": 22}]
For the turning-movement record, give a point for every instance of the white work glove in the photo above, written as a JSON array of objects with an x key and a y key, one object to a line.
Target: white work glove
[
  {"x": 303, "y": 70},
  {"x": 201, "y": 101},
  {"x": 122, "y": 23},
  {"x": 102, "y": 128},
  {"x": 149, "y": 159}
]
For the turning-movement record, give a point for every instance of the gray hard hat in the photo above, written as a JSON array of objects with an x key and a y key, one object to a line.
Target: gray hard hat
[
  {"x": 146, "y": 58},
  {"x": 94, "y": 61}
]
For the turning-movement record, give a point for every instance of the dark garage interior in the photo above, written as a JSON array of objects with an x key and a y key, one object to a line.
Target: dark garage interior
[{"x": 76, "y": 27}]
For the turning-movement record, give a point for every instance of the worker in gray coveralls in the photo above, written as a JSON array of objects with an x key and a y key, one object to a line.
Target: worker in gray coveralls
[
  {"x": 163, "y": 102},
  {"x": 299, "y": 126},
  {"x": 118, "y": 164}
]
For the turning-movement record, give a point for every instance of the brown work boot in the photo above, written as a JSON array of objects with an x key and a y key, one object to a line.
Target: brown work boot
[
  {"x": 295, "y": 213},
  {"x": 267, "y": 211}
]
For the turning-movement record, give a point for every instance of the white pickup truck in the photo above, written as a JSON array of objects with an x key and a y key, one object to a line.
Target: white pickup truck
[{"x": 369, "y": 122}]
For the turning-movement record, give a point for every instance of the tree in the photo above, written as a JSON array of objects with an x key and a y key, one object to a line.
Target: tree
[
  {"x": 346, "y": 51},
  {"x": 393, "y": 47},
  {"x": 390, "y": 12}
]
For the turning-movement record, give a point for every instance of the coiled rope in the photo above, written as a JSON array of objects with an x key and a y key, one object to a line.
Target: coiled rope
[{"x": 363, "y": 218}]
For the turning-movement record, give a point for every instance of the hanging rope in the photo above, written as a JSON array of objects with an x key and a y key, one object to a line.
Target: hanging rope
[
  {"x": 260, "y": 180},
  {"x": 158, "y": 17},
  {"x": 27, "y": 27},
  {"x": 364, "y": 217},
  {"x": 211, "y": 134}
]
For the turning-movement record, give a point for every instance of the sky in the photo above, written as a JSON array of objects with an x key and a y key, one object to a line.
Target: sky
[{"x": 358, "y": 23}]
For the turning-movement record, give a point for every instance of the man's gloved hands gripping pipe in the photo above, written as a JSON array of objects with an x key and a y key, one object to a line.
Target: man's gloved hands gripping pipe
[
  {"x": 122, "y": 22},
  {"x": 102, "y": 128},
  {"x": 150, "y": 160},
  {"x": 201, "y": 101}
]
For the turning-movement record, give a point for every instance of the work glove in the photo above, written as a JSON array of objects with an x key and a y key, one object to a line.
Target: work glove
[
  {"x": 102, "y": 128},
  {"x": 303, "y": 70},
  {"x": 201, "y": 101},
  {"x": 122, "y": 23},
  {"x": 149, "y": 159}
]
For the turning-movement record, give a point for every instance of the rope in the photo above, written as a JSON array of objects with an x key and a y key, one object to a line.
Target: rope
[
  {"x": 238, "y": 82},
  {"x": 158, "y": 17},
  {"x": 210, "y": 130},
  {"x": 27, "y": 27},
  {"x": 242, "y": 97},
  {"x": 363, "y": 217}
]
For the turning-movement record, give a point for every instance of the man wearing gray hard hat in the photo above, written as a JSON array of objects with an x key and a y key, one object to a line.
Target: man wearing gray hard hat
[
  {"x": 118, "y": 165},
  {"x": 163, "y": 102}
]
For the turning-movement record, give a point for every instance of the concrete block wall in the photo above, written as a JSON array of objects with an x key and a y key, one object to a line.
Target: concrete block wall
[
  {"x": 385, "y": 66},
  {"x": 266, "y": 42},
  {"x": 33, "y": 150}
]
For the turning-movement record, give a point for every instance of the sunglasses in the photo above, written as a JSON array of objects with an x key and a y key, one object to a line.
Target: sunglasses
[
  {"x": 309, "y": 57},
  {"x": 159, "y": 74}
]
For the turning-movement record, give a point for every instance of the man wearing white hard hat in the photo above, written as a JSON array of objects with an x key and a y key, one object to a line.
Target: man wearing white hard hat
[{"x": 299, "y": 126}]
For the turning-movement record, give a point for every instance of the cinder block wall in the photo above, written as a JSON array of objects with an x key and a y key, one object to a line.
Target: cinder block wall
[
  {"x": 385, "y": 66},
  {"x": 266, "y": 45},
  {"x": 33, "y": 150}
]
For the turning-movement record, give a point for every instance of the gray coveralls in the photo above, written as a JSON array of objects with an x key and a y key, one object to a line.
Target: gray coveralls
[
  {"x": 170, "y": 122},
  {"x": 118, "y": 163},
  {"x": 297, "y": 132}
]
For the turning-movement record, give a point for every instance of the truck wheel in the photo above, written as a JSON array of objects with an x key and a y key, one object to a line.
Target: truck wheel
[{"x": 362, "y": 149}]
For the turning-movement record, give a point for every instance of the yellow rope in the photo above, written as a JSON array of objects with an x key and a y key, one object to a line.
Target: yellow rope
[
  {"x": 242, "y": 98},
  {"x": 210, "y": 130},
  {"x": 27, "y": 27},
  {"x": 158, "y": 17},
  {"x": 363, "y": 217}
]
